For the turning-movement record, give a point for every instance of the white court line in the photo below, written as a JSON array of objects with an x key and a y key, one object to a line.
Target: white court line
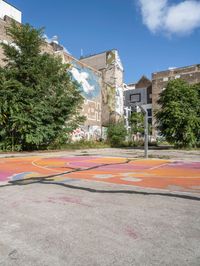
[
  {"x": 67, "y": 163},
  {"x": 42, "y": 167},
  {"x": 158, "y": 166}
]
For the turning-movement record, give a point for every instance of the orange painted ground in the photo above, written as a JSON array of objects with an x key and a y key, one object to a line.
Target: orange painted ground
[{"x": 162, "y": 174}]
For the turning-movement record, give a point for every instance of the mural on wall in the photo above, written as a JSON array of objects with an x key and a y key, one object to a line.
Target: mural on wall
[
  {"x": 89, "y": 80},
  {"x": 90, "y": 85}
]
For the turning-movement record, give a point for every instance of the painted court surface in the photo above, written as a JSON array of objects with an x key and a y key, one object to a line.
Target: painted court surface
[{"x": 159, "y": 174}]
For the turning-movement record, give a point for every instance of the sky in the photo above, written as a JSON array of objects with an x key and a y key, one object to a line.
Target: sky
[{"x": 150, "y": 35}]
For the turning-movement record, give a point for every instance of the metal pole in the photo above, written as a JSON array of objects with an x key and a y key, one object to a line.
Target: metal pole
[
  {"x": 145, "y": 132},
  {"x": 146, "y": 135}
]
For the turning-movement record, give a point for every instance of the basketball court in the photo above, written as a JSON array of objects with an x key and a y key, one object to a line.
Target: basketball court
[{"x": 149, "y": 174}]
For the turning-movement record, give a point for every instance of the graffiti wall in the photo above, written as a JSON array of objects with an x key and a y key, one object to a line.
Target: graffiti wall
[{"x": 87, "y": 133}]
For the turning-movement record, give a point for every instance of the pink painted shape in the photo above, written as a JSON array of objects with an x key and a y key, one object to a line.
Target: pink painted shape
[
  {"x": 83, "y": 164},
  {"x": 4, "y": 176},
  {"x": 76, "y": 159}
]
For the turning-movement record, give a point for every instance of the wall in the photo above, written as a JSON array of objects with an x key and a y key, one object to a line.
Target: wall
[
  {"x": 111, "y": 68},
  {"x": 90, "y": 83},
  {"x": 10, "y": 11}
]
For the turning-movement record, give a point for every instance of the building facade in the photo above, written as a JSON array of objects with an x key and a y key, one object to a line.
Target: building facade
[
  {"x": 190, "y": 74},
  {"x": 135, "y": 95},
  {"x": 110, "y": 66}
]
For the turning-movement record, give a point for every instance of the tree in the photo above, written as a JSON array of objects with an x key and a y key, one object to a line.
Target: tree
[
  {"x": 179, "y": 116},
  {"x": 136, "y": 121},
  {"x": 39, "y": 101},
  {"x": 116, "y": 134}
]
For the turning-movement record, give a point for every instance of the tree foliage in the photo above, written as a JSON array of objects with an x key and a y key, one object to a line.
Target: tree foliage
[
  {"x": 116, "y": 134},
  {"x": 136, "y": 122},
  {"x": 39, "y": 102},
  {"x": 179, "y": 116}
]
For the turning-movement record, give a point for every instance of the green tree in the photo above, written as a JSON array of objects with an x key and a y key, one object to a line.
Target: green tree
[
  {"x": 179, "y": 116},
  {"x": 136, "y": 121},
  {"x": 39, "y": 101},
  {"x": 116, "y": 134}
]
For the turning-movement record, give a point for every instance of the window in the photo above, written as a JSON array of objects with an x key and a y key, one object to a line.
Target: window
[
  {"x": 134, "y": 98},
  {"x": 165, "y": 79},
  {"x": 150, "y": 121},
  {"x": 149, "y": 111}
]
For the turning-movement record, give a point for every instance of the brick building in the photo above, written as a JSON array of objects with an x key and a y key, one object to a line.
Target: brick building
[{"x": 191, "y": 74}]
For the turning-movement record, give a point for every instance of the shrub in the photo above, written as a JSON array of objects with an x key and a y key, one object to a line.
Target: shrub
[{"x": 116, "y": 134}]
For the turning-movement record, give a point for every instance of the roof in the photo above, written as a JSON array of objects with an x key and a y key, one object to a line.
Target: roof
[
  {"x": 87, "y": 56},
  {"x": 142, "y": 79},
  {"x": 175, "y": 69}
]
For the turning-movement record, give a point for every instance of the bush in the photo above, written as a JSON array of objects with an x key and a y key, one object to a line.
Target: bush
[
  {"x": 116, "y": 134},
  {"x": 82, "y": 144}
]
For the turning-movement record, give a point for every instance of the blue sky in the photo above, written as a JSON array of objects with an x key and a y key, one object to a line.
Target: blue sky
[{"x": 150, "y": 35}]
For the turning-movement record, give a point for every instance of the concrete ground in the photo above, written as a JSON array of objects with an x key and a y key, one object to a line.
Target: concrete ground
[
  {"x": 161, "y": 153},
  {"x": 62, "y": 219}
]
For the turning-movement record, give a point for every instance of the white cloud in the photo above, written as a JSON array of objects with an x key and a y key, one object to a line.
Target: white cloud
[
  {"x": 152, "y": 13},
  {"x": 180, "y": 18}
]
